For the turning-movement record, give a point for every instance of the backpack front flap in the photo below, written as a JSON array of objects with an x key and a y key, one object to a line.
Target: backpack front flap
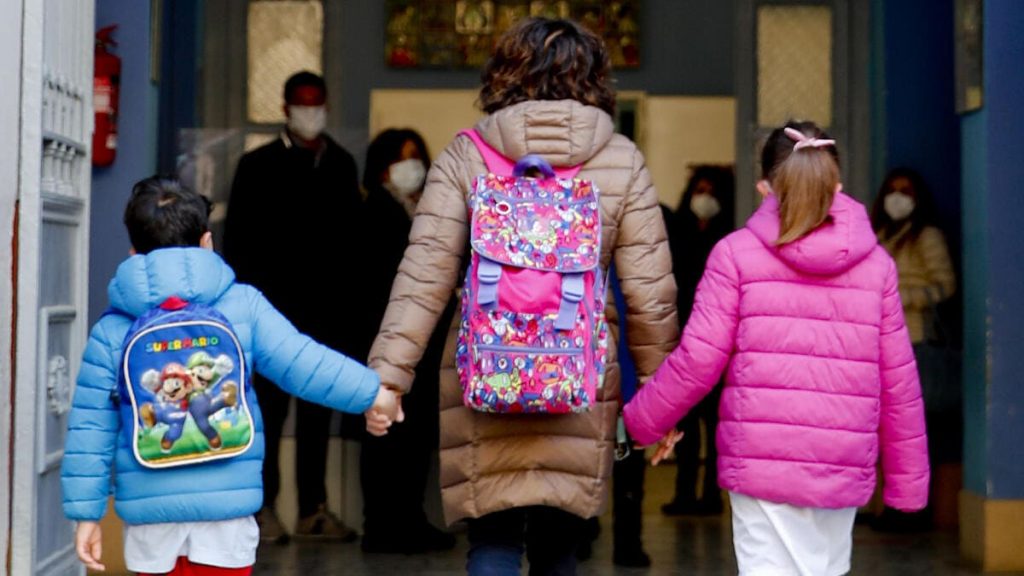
[
  {"x": 533, "y": 326},
  {"x": 183, "y": 372}
]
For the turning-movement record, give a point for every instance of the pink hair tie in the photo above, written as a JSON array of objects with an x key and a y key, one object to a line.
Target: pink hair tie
[{"x": 804, "y": 141}]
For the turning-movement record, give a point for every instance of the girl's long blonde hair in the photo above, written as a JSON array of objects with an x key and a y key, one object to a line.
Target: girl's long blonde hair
[{"x": 803, "y": 177}]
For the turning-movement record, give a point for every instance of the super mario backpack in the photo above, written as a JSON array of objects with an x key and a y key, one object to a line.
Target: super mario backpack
[
  {"x": 533, "y": 336},
  {"x": 183, "y": 375}
]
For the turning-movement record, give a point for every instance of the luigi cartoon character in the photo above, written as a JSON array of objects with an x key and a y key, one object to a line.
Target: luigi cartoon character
[
  {"x": 171, "y": 386},
  {"x": 206, "y": 372}
]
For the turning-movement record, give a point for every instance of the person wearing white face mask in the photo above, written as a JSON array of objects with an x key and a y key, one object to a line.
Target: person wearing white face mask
[
  {"x": 704, "y": 216},
  {"x": 393, "y": 469},
  {"x": 293, "y": 201},
  {"x": 904, "y": 217}
]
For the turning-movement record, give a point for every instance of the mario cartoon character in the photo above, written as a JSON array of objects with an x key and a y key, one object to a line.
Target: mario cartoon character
[
  {"x": 171, "y": 386},
  {"x": 206, "y": 372}
]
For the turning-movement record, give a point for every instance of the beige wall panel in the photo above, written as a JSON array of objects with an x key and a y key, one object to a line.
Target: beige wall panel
[
  {"x": 436, "y": 114},
  {"x": 681, "y": 131},
  {"x": 678, "y": 131}
]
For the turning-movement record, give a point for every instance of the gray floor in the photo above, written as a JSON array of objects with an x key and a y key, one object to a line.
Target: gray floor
[{"x": 677, "y": 546}]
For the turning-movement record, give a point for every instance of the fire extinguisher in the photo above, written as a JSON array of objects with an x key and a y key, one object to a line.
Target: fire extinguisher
[{"x": 106, "y": 85}]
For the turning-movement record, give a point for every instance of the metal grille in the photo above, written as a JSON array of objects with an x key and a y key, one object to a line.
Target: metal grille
[
  {"x": 794, "y": 64},
  {"x": 284, "y": 37}
]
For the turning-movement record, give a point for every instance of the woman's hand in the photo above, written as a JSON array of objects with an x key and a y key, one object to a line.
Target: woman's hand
[{"x": 665, "y": 446}]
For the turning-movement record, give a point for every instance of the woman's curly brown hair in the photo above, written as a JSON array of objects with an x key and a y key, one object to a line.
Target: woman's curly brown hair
[{"x": 542, "y": 59}]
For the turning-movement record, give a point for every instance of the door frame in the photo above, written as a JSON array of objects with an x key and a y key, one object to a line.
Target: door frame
[
  {"x": 10, "y": 139},
  {"x": 72, "y": 71},
  {"x": 851, "y": 97}
]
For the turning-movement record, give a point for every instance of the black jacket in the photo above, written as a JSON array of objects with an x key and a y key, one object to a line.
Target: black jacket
[{"x": 294, "y": 229}]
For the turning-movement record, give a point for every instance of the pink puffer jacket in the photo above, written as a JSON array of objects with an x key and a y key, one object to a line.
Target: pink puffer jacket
[{"x": 820, "y": 371}]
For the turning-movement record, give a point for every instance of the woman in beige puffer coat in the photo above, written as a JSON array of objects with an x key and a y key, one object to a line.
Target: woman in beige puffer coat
[{"x": 547, "y": 92}]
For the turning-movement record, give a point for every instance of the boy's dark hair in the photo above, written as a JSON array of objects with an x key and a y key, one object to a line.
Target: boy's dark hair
[
  {"x": 304, "y": 78},
  {"x": 162, "y": 213},
  {"x": 385, "y": 150},
  {"x": 542, "y": 59}
]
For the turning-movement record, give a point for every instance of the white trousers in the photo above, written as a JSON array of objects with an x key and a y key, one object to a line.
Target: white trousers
[{"x": 774, "y": 539}]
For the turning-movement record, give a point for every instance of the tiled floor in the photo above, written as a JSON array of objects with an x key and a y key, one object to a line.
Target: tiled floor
[{"x": 677, "y": 546}]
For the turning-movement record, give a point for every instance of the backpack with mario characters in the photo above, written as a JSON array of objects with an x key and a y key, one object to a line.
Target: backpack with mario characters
[{"x": 183, "y": 374}]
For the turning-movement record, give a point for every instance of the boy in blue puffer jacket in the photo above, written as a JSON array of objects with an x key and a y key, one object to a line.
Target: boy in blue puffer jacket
[{"x": 195, "y": 518}]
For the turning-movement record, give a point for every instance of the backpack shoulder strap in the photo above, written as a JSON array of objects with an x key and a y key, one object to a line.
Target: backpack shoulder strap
[{"x": 502, "y": 166}]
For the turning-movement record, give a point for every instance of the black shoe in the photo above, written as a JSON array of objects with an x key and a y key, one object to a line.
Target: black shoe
[{"x": 631, "y": 557}]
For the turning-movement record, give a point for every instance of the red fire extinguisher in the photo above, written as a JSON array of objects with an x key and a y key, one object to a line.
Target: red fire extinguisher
[{"x": 106, "y": 83}]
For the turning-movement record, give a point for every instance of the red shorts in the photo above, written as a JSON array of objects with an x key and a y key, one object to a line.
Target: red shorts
[{"x": 185, "y": 568}]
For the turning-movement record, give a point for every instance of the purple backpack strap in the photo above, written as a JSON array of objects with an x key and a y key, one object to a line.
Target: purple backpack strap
[{"x": 502, "y": 166}]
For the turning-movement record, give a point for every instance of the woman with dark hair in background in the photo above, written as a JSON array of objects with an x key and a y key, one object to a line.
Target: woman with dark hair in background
[
  {"x": 393, "y": 468},
  {"x": 705, "y": 216},
  {"x": 905, "y": 218}
]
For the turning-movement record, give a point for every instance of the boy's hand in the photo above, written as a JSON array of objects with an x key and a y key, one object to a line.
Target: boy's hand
[
  {"x": 89, "y": 545},
  {"x": 389, "y": 403},
  {"x": 377, "y": 424},
  {"x": 665, "y": 446},
  {"x": 386, "y": 409}
]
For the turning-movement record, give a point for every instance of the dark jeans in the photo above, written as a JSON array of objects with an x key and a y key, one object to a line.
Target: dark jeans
[
  {"x": 549, "y": 536},
  {"x": 393, "y": 468},
  {"x": 312, "y": 431},
  {"x": 627, "y": 501}
]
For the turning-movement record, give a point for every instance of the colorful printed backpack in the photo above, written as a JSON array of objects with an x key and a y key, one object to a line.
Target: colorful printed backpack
[
  {"x": 183, "y": 373},
  {"x": 533, "y": 336}
]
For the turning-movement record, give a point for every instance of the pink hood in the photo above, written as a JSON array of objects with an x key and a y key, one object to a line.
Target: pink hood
[
  {"x": 820, "y": 378},
  {"x": 832, "y": 248}
]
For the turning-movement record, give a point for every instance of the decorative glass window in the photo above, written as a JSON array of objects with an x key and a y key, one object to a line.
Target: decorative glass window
[
  {"x": 284, "y": 37},
  {"x": 794, "y": 64}
]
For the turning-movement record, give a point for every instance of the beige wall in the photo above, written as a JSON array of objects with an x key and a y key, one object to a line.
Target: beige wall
[
  {"x": 678, "y": 131},
  {"x": 685, "y": 130},
  {"x": 436, "y": 114}
]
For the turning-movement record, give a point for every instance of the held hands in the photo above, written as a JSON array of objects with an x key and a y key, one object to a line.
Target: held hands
[
  {"x": 386, "y": 409},
  {"x": 665, "y": 446},
  {"x": 89, "y": 545}
]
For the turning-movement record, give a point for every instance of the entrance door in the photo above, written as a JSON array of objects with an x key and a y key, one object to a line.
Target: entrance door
[
  {"x": 809, "y": 60},
  {"x": 51, "y": 275}
]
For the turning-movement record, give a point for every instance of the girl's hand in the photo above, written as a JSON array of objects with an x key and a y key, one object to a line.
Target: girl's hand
[
  {"x": 89, "y": 545},
  {"x": 665, "y": 446}
]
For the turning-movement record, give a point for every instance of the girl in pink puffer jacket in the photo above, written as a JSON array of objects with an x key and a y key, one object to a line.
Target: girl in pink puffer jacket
[{"x": 801, "y": 309}]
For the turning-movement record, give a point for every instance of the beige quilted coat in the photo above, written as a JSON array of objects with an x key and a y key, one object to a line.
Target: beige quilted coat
[
  {"x": 926, "y": 275},
  {"x": 495, "y": 462}
]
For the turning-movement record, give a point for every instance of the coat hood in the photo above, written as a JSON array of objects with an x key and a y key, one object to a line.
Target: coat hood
[
  {"x": 144, "y": 281},
  {"x": 832, "y": 248},
  {"x": 563, "y": 132}
]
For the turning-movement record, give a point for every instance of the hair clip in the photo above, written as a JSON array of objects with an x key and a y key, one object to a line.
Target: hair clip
[{"x": 803, "y": 141}]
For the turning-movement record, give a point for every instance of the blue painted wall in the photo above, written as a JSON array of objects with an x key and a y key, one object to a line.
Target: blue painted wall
[
  {"x": 137, "y": 139},
  {"x": 1004, "y": 96},
  {"x": 922, "y": 129},
  {"x": 993, "y": 256}
]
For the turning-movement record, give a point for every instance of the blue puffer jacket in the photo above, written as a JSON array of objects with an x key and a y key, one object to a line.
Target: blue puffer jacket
[{"x": 217, "y": 490}]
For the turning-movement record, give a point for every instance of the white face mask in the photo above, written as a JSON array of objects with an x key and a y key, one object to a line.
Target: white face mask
[
  {"x": 307, "y": 122},
  {"x": 704, "y": 206},
  {"x": 899, "y": 206},
  {"x": 407, "y": 176}
]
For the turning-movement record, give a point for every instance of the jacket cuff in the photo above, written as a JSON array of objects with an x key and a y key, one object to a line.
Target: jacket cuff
[{"x": 392, "y": 376}]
